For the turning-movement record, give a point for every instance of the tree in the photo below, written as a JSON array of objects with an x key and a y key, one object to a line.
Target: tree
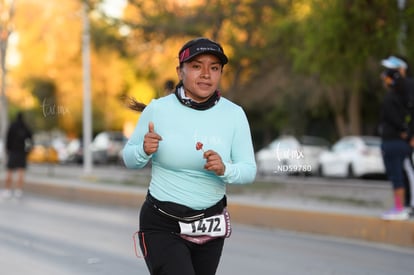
[
  {"x": 293, "y": 56},
  {"x": 293, "y": 64},
  {"x": 45, "y": 117},
  {"x": 343, "y": 42},
  {"x": 49, "y": 48}
]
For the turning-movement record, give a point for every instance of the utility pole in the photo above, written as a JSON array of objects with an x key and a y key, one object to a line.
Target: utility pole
[
  {"x": 6, "y": 15},
  {"x": 87, "y": 109}
]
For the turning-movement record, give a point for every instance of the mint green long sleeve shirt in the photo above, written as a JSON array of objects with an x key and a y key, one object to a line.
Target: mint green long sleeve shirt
[{"x": 178, "y": 173}]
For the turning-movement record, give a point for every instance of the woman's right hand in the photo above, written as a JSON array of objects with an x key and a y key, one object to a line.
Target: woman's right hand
[{"x": 151, "y": 140}]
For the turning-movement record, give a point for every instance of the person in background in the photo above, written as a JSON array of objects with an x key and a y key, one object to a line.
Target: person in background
[
  {"x": 198, "y": 142},
  {"x": 18, "y": 143},
  {"x": 400, "y": 64}
]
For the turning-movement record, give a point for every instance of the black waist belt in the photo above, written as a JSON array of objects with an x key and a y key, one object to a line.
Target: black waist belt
[{"x": 183, "y": 213}]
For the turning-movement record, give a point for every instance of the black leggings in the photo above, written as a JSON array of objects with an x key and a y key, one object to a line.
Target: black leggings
[{"x": 166, "y": 253}]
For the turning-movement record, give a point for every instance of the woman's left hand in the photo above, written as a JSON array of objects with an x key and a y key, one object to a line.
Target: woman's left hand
[{"x": 214, "y": 163}]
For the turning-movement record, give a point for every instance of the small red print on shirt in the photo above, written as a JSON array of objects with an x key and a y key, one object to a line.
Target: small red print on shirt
[{"x": 199, "y": 146}]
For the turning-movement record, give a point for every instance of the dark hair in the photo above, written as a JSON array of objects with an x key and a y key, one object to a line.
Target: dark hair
[{"x": 132, "y": 103}]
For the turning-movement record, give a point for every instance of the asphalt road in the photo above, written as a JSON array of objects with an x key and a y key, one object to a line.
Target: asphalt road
[{"x": 40, "y": 235}]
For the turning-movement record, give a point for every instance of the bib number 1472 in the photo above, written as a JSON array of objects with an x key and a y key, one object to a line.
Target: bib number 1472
[{"x": 214, "y": 226}]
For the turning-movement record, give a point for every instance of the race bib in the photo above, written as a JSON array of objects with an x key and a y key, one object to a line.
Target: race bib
[{"x": 214, "y": 226}]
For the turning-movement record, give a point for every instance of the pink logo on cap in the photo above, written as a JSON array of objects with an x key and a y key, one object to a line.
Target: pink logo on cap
[{"x": 184, "y": 54}]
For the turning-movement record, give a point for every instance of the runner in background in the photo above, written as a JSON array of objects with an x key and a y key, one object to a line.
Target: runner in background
[
  {"x": 396, "y": 130},
  {"x": 400, "y": 63},
  {"x": 18, "y": 144}
]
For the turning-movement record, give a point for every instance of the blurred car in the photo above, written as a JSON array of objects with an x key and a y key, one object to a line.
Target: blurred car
[
  {"x": 105, "y": 148},
  {"x": 60, "y": 144},
  {"x": 74, "y": 151},
  {"x": 291, "y": 155},
  {"x": 353, "y": 156},
  {"x": 43, "y": 154}
]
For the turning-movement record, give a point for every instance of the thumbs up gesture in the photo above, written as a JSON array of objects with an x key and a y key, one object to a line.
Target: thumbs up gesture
[{"x": 151, "y": 140}]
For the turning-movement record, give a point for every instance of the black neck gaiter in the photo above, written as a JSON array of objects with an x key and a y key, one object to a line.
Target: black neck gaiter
[{"x": 213, "y": 100}]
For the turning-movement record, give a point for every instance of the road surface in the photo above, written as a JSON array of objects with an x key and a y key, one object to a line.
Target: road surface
[{"x": 40, "y": 235}]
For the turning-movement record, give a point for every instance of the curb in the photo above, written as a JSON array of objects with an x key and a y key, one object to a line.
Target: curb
[
  {"x": 373, "y": 229},
  {"x": 366, "y": 228}
]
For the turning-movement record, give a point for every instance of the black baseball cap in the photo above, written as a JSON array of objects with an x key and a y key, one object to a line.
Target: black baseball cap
[{"x": 199, "y": 46}]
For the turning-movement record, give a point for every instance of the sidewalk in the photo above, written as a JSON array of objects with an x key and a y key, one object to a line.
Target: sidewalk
[{"x": 349, "y": 211}]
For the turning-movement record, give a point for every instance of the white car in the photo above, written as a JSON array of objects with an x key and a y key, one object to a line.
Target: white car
[
  {"x": 291, "y": 155},
  {"x": 106, "y": 146},
  {"x": 353, "y": 156}
]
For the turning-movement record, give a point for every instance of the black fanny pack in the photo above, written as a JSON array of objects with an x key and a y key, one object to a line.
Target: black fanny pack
[{"x": 183, "y": 213}]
